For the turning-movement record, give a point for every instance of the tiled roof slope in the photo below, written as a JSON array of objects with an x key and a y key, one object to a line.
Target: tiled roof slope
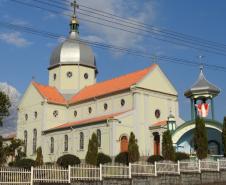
[
  {"x": 87, "y": 121},
  {"x": 50, "y": 93},
  {"x": 110, "y": 86},
  {"x": 93, "y": 91}
]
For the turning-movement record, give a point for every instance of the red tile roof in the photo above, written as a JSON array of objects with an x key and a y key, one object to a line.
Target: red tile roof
[
  {"x": 87, "y": 121},
  {"x": 110, "y": 86},
  {"x": 93, "y": 91},
  {"x": 159, "y": 124},
  {"x": 50, "y": 93}
]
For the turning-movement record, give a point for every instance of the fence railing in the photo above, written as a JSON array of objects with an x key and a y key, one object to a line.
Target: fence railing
[{"x": 54, "y": 174}]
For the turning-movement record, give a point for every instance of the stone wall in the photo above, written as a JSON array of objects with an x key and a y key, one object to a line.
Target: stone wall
[{"x": 205, "y": 178}]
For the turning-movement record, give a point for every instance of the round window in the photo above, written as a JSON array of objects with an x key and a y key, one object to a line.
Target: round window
[
  {"x": 90, "y": 110},
  {"x": 69, "y": 74},
  {"x": 122, "y": 102},
  {"x": 75, "y": 113},
  {"x": 105, "y": 106},
  {"x": 86, "y": 76},
  {"x": 157, "y": 113},
  {"x": 55, "y": 113}
]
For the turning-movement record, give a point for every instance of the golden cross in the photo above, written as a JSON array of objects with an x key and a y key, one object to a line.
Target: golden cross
[{"x": 75, "y": 6}]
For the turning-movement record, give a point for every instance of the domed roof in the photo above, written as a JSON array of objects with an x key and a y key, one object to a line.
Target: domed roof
[
  {"x": 201, "y": 86},
  {"x": 72, "y": 51}
]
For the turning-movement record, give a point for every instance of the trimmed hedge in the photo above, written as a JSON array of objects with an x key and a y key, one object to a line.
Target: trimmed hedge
[
  {"x": 123, "y": 158},
  {"x": 154, "y": 158},
  {"x": 103, "y": 158},
  {"x": 23, "y": 163},
  {"x": 67, "y": 160},
  {"x": 181, "y": 156}
]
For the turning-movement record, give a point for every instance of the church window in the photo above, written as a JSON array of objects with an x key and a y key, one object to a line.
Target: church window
[
  {"x": 124, "y": 144},
  {"x": 55, "y": 113},
  {"x": 26, "y": 117},
  {"x": 99, "y": 137},
  {"x": 105, "y": 106},
  {"x": 157, "y": 113},
  {"x": 122, "y": 102},
  {"x": 75, "y": 113},
  {"x": 51, "y": 145},
  {"x": 36, "y": 114},
  {"x": 34, "y": 140},
  {"x": 90, "y": 110},
  {"x": 54, "y": 76},
  {"x": 81, "y": 146},
  {"x": 25, "y": 142},
  {"x": 66, "y": 143},
  {"x": 86, "y": 76},
  {"x": 156, "y": 143},
  {"x": 69, "y": 74}
]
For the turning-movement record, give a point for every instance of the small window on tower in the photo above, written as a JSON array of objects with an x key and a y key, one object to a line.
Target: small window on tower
[
  {"x": 105, "y": 106},
  {"x": 69, "y": 74},
  {"x": 86, "y": 76},
  {"x": 90, "y": 110},
  {"x": 54, "y": 76},
  {"x": 26, "y": 117},
  {"x": 75, "y": 113},
  {"x": 36, "y": 114},
  {"x": 122, "y": 102}
]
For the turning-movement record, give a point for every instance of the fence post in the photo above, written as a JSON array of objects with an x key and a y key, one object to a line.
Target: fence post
[
  {"x": 101, "y": 178},
  {"x": 218, "y": 165},
  {"x": 155, "y": 169},
  {"x": 178, "y": 167},
  {"x": 32, "y": 172},
  {"x": 199, "y": 164},
  {"x": 69, "y": 174},
  {"x": 130, "y": 170}
]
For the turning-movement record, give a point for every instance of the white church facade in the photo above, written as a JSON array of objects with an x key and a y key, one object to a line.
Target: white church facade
[{"x": 61, "y": 116}]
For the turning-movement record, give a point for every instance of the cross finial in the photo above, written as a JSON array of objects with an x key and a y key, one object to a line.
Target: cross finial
[
  {"x": 201, "y": 62},
  {"x": 75, "y": 6}
]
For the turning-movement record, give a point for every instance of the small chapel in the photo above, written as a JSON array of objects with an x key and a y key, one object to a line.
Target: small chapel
[{"x": 61, "y": 116}]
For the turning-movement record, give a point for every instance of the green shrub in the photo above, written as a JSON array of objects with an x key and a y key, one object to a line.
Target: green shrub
[
  {"x": 67, "y": 160},
  {"x": 103, "y": 158},
  {"x": 154, "y": 158},
  {"x": 24, "y": 163},
  {"x": 122, "y": 158},
  {"x": 181, "y": 156}
]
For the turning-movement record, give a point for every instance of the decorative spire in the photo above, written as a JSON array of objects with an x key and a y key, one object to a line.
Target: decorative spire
[{"x": 74, "y": 21}]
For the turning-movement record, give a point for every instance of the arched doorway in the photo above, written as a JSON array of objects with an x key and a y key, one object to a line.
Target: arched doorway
[
  {"x": 124, "y": 144},
  {"x": 156, "y": 143}
]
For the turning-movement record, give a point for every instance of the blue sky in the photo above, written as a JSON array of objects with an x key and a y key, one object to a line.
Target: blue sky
[{"x": 24, "y": 55}]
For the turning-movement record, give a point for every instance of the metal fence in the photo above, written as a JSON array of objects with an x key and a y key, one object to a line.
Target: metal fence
[{"x": 55, "y": 174}]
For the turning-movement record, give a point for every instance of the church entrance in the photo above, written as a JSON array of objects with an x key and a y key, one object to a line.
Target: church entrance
[
  {"x": 124, "y": 144},
  {"x": 156, "y": 143},
  {"x": 213, "y": 148}
]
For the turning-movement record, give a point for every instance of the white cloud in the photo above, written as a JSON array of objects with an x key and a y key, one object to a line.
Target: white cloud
[
  {"x": 14, "y": 38},
  {"x": 9, "y": 123},
  {"x": 130, "y": 10}
]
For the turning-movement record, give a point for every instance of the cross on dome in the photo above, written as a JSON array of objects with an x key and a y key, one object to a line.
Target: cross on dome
[{"x": 74, "y": 22}]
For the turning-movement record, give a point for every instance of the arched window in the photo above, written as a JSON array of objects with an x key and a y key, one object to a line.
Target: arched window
[
  {"x": 124, "y": 144},
  {"x": 66, "y": 143},
  {"x": 34, "y": 140},
  {"x": 156, "y": 143},
  {"x": 99, "y": 137},
  {"x": 36, "y": 114},
  {"x": 81, "y": 146},
  {"x": 51, "y": 145},
  {"x": 25, "y": 142}
]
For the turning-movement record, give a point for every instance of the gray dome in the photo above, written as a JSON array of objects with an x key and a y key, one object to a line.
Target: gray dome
[{"x": 71, "y": 51}]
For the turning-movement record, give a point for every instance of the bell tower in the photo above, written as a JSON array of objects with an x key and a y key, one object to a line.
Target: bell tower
[{"x": 202, "y": 95}]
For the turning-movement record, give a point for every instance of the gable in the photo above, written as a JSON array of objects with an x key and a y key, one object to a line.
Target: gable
[
  {"x": 157, "y": 81},
  {"x": 30, "y": 97}
]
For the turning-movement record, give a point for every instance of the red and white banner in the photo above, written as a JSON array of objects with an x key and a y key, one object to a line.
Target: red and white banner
[{"x": 202, "y": 109}]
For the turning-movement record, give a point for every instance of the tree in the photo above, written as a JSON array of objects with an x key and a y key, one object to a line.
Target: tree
[
  {"x": 91, "y": 155},
  {"x": 2, "y": 152},
  {"x": 224, "y": 136},
  {"x": 67, "y": 160},
  {"x": 200, "y": 139},
  {"x": 13, "y": 147},
  {"x": 133, "y": 149},
  {"x": 39, "y": 158},
  {"x": 168, "y": 151},
  {"x": 4, "y": 106}
]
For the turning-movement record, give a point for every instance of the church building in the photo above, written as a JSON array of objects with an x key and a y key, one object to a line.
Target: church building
[{"x": 61, "y": 116}]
